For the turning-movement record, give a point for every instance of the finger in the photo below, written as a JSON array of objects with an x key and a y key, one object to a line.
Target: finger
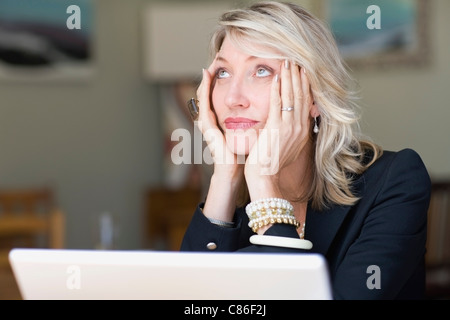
[
  {"x": 306, "y": 100},
  {"x": 207, "y": 121},
  {"x": 206, "y": 117},
  {"x": 297, "y": 91},
  {"x": 275, "y": 102},
  {"x": 287, "y": 98},
  {"x": 201, "y": 97}
]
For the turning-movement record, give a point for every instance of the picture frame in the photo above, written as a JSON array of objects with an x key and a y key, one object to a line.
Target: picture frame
[
  {"x": 43, "y": 40},
  {"x": 400, "y": 39}
]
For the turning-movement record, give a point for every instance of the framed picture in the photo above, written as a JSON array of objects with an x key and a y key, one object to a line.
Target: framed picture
[
  {"x": 379, "y": 33},
  {"x": 45, "y": 39}
]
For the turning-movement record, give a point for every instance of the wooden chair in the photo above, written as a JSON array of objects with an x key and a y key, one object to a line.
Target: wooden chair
[
  {"x": 438, "y": 242},
  {"x": 168, "y": 213},
  {"x": 29, "y": 218}
]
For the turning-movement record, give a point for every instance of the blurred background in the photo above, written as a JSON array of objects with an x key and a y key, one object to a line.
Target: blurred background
[{"x": 88, "y": 113}]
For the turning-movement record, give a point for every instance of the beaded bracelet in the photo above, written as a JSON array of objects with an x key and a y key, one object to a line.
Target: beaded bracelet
[{"x": 269, "y": 211}]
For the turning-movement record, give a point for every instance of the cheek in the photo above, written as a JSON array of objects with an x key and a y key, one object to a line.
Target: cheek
[
  {"x": 262, "y": 101},
  {"x": 217, "y": 98},
  {"x": 258, "y": 91}
]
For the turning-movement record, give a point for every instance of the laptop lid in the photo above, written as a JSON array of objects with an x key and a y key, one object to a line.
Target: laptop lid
[{"x": 167, "y": 275}]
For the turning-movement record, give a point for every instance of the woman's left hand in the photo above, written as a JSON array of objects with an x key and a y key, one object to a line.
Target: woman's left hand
[{"x": 285, "y": 134}]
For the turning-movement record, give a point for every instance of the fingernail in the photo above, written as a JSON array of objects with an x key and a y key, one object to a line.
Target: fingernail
[
  {"x": 276, "y": 78},
  {"x": 286, "y": 64},
  {"x": 304, "y": 70}
]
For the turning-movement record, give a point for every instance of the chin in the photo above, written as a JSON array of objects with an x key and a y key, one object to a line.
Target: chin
[{"x": 241, "y": 143}]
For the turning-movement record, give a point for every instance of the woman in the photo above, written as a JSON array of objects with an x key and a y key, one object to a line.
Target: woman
[{"x": 291, "y": 172}]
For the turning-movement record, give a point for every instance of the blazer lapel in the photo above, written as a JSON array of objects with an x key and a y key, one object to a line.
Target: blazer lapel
[{"x": 321, "y": 226}]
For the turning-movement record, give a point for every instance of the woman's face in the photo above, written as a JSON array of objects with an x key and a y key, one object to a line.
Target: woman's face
[{"x": 241, "y": 95}]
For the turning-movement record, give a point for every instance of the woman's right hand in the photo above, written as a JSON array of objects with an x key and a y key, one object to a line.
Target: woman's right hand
[
  {"x": 228, "y": 175},
  {"x": 225, "y": 161}
]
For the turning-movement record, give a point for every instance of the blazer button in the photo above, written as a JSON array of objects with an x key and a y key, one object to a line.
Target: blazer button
[{"x": 211, "y": 246}]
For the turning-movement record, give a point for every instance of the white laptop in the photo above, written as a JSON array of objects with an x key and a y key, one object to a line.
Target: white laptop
[{"x": 168, "y": 275}]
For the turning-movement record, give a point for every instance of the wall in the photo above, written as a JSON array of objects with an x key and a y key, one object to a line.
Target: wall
[
  {"x": 98, "y": 142},
  {"x": 410, "y": 107},
  {"x": 95, "y": 141}
]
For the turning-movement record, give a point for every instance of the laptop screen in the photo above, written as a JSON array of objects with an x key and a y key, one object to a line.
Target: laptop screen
[{"x": 168, "y": 275}]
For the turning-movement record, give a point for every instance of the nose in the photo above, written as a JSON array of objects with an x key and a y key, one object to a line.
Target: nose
[{"x": 236, "y": 96}]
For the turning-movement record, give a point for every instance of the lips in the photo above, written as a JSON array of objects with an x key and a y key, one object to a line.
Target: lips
[{"x": 239, "y": 123}]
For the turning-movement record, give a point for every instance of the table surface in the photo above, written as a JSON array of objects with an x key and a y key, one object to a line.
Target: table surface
[{"x": 8, "y": 285}]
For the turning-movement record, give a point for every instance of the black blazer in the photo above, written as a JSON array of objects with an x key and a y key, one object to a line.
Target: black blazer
[{"x": 386, "y": 228}]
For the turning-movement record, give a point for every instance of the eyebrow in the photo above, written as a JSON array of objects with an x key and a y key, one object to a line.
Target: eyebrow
[{"x": 220, "y": 58}]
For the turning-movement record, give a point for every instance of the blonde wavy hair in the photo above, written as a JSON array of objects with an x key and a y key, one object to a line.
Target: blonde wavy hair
[{"x": 283, "y": 30}]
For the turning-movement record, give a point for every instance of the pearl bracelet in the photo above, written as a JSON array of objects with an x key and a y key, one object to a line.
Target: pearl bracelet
[{"x": 269, "y": 211}]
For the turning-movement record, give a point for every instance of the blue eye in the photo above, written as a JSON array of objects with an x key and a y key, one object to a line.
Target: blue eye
[
  {"x": 221, "y": 74},
  {"x": 263, "y": 72}
]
